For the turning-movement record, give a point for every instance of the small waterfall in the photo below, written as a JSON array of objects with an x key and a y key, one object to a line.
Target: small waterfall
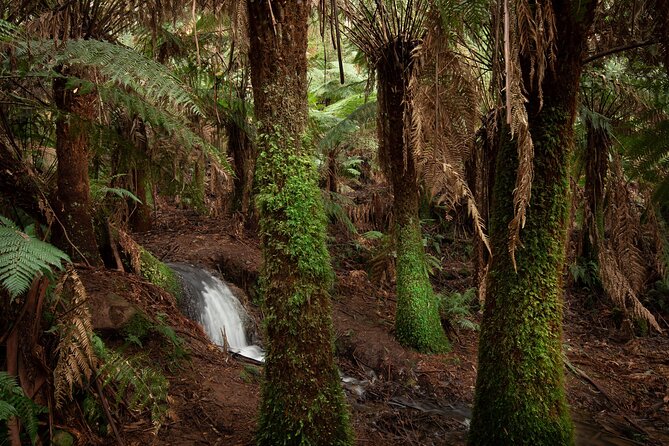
[{"x": 219, "y": 311}]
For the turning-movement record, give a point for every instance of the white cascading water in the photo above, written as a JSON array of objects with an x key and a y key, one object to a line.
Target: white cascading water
[{"x": 221, "y": 314}]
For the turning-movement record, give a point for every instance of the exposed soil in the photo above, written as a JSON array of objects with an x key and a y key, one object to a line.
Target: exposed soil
[{"x": 618, "y": 389}]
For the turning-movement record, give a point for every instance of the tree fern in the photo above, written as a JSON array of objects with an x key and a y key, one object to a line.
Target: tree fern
[
  {"x": 23, "y": 257},
  {"x": 14, "y": 403}
]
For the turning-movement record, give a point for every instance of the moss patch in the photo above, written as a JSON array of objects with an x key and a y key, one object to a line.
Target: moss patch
[
  {"x": 417, "y": 320},
  {"x": 159, "y": 274}
]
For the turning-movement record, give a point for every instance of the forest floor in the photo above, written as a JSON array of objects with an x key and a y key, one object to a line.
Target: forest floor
[{"x": 618, "y": 386}]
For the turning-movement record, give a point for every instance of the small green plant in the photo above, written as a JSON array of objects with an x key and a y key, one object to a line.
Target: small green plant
[
  {"x": 139, "y": 387},
  {"x": 585, "y": 273},
  {"x": 15, "y": 404},
  {"x": 140, "y": 327},
  {"x": 457, "y": 309}
]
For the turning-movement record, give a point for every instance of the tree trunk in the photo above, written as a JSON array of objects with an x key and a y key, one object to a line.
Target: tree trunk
[
  {"x": 417, "y": 320},
  {"x": 243, "y": 156},
  {"x": 140, "y": 213},
  {"x": 596, "y": 168},
  {"x": 520, "y": 396},
  {"x": 302, "y": 399},
  {"x": 76, "y": 112}
]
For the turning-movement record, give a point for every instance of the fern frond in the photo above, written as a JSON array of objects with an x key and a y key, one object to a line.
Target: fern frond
[
  {"x": 14, "y": 403},
  {"x": 76, "y": 358},
  {"x": 23, "y": 257},
  {"x": 139, "y": 386}
]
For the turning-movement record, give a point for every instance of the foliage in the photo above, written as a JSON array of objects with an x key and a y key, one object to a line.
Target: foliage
[
  {"x": 457, "y": 308},
  {"x": 76, "y": 359},
  {"x": 139, "y": 387},
  {"x": 15, "y": 404},
  {"x": 23, "y": 256}
]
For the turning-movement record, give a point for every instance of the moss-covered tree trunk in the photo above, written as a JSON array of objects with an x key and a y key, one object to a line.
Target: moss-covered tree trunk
[
  {"x": 76, "y": 112},
  {"x": 417, "y": 321},
  {"x": 302, "y": 399},
  {"x": 520, "y": 395}
]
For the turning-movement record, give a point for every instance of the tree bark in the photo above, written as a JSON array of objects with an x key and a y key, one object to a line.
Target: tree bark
[
  {"x": 243, "y": 156},
  {"x": 75, "y": 113},
  {"x": 520, "y": 397},
  {"x": 417, "y": 320},
  {"x": 302, "y": 399}
]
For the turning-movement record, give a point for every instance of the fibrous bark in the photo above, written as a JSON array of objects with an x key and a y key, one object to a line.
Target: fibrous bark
[
  {"x": 520, "y": 396},
  {"x": 302, "y": 400},
  {"x": 76, "y": 235}
]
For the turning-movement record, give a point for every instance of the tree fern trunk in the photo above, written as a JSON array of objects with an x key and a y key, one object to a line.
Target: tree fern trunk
[
  {"x": 520, "y": 396},
  {"x": 417, "y": 321},
  {"x": 302, "y": 399},
  {"x": 243, "y": 156},
  {"x": 72, "y": 149}
]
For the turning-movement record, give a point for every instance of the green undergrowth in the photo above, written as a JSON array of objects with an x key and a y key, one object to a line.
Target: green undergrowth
[{"x": 159, "y": 274}]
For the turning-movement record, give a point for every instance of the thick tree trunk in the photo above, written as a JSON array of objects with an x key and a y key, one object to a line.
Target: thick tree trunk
[
  {"x": 520, "y": 396},
  {"x": 302, "y": 399},
  {"x": 417, "y": 321},
  {"x": 77, "y": 236}
]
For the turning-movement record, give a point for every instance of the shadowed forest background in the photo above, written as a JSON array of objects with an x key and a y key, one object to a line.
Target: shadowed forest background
[{"x": 437, "y": 222}]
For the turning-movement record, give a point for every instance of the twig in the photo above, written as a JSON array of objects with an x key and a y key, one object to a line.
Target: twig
[{"x": 105, "y": 406}]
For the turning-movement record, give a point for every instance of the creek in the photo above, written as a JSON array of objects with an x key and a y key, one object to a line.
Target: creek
[
  {"x": 223, "y": 317},
  {"x": 210, "y": 301}
]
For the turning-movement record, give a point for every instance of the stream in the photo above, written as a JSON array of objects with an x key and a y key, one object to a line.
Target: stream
[
  {"x": 227, "y": 323},
  {"x": 221, "y": 314}
]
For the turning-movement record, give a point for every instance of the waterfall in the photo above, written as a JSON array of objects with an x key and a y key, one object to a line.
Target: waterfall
[{"x": 221, "y": 314}]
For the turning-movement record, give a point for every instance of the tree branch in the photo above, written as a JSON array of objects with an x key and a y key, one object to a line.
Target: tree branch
[{"x": 619, "y": 49}]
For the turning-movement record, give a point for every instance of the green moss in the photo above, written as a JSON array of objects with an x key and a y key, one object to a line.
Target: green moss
[
  {"x": 302, "y": 399},
  {"x": 417, "y": 321},
  {"x": 520, "y": 396},
  {"x": 159, "y": 274}
]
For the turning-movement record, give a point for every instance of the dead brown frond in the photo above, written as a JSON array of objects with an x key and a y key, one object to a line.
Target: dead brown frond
[
  {"x": 623, "y": 269},
  {"x": 132, "y": 249},
  {"x": 76, "y": 359},
  {"x": 529, "y": 40},
  {"x": 444, "y": 119}
]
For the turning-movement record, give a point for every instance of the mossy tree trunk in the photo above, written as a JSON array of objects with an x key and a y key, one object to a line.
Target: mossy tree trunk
[
  {"x": 417, "y": 320},
  {"x": 302, "y": 399},
  {"x": 75, "y": 114},
  {"x": 520, "y": 395}
]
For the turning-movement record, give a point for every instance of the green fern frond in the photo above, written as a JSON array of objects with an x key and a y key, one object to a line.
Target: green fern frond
[
  {"x": 127, "y": 67},
  {"x": 98, "y": 192},
  {"x": 23, "y": 257},
  {"x": 14, "y": 403},
  {"x": 140, "y": 387}
]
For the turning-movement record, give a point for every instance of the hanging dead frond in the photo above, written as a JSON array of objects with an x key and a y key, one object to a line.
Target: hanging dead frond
[
  {"x": 76, "y": 358},
  {"x": 131, "y": 248},
  {"x": 622, "y": 267},
  {"x": 529, "y": 40},
  {"x": 445, "y": 95}
]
